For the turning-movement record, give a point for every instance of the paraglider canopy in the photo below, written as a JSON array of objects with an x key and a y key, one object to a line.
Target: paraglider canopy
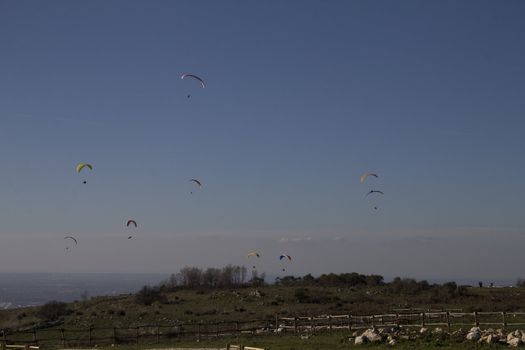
[
  {"x": 365, "y": 175},
  {"x": 72, "y": 238},
  {"x": 81, "y": 166},
  {"x": 285, "y": 256},
  {"x": 184, "y": 76},
  {"x": 197, "y": 182},
  {"x": 131, "y": 222},
  {"x": 254, "y": 254},
  {"x": 374, "y": 191}
]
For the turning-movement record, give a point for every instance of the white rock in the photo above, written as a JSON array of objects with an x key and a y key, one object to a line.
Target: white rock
[
  {"x": 423, "y": 330},
  {"x": 491, "y": 339},
  {"x": 437, "y": 330},
  {"x": 392, "y": 342},
  {"x": 474, "y": 334},
  {"x": 360, "y": 340},
  {"x": 372, "y": 335},
  {"x": 514, "y": 342}
]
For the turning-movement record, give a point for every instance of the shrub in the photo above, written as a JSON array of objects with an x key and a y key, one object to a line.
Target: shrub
[
  {"x": 148, "y": 295},
  {"x": 52, "y": 311}
]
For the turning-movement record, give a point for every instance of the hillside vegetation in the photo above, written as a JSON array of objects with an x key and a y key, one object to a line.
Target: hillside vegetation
[{"x": 188, "y": 298}]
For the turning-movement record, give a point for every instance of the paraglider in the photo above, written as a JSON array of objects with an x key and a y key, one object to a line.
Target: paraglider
[
  {"x": 129, "y": 223},
  {"x": 197, "y": 182},
  {"x": 203, "y": 84},
  {"x": 253, "y": 254},
  {"x": 365, "y": 175},
  {"x": 69, "y": 241},
  {"x": 81, "y": 166},
  {"x": 285, "y": 257}
]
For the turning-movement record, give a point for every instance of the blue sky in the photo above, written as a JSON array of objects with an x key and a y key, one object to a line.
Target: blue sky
[{"x": 302, "y": 97}]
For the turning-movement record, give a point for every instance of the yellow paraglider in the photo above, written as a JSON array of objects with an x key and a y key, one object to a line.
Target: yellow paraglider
[{"x": 81, "y": 166}]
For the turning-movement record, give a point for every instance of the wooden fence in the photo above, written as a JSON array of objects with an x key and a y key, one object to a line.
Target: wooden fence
[
  {"x": 445, "y": 319},
  {"x": 241, "y": 347},
  {"x": 151, "y": 334},
  {"x": 18, "y": 347}
]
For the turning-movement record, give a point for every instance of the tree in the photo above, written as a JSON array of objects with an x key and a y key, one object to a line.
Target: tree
[
  {"x": 52, "y": 311},
  {"x": 148, "y": 295}
]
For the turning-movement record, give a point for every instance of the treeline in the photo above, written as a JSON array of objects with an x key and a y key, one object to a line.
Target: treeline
[
  {"x": 405, "y": 286},
  {"x": 234, "y": 276},
  {"x": 333, "y": 280},
  {"x": 213, "y": 278}
]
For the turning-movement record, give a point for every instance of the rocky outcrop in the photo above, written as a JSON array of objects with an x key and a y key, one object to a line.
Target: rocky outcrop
[{"x": 392, "y": 336}]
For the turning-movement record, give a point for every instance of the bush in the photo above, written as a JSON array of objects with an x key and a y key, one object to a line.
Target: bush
[
  {"x": 52, "y": 311},
  {"x": 148, "y": 295},
  {"x": 520, "y": 282},
  {"x": 301, "y": 295}
]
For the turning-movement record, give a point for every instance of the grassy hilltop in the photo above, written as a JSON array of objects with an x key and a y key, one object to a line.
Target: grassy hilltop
[{"x": 175, "y": 302}]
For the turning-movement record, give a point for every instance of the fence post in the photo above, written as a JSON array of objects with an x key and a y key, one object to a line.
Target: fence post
[
  {"x": 504, "y": 320},
  {"x": 448, "y": 321},
  {"x": 158, "y": 334},
  {"x": 89, "y": 336},
  {"x": 295, "y": 325},
  {"x": 329, "y": 322},
  {"x": 137, "y": 334},
  {"x": 268, "y": 326},
  {"x": 397, "y": 320},
  {"x": 63, "y": 335},
  {"x": 35, "y": 340},
  {"x": 114, "y": 335},
  {"x": 373, "y": 322},
  {"x": 237, "y": 329},
  {"x": 4, "y": 336},
  {"x": 199, "y": 332},
  {"x": 422, "y": 319},
  {"x": 217, "y": 329},
  {"x": 349, "y": 322},
  {"x": 476, "y": 323}
]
